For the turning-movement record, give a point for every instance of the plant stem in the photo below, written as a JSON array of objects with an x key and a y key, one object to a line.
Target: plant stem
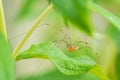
[
  {"x": 30, "y": 31},
  {"x": 2, "y": 21}
]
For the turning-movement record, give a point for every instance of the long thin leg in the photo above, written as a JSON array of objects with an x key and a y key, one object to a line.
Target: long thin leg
[
  {"x": 59, "y": 41},
  {"x": 66, "y": 36},
  {"x": 80, "y": 42}
]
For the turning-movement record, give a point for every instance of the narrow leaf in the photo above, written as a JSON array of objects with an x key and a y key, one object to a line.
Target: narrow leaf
[
  {"x": 2, "y": 20},
  {"x": 114, "y": 34},
  {"x": 6, "y": 62}
]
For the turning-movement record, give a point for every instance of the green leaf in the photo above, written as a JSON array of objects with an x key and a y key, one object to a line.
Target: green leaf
[
  {"x": 109, "y": 16},
  {"x": 114, "y": 34},
  {"x": 6, "y": 62},
  {"x": 77, "y": 12},
  {"x": 64, "y": 63},
  {"x": 2, "y": 21},
  {"x": 85, "y": 50}
]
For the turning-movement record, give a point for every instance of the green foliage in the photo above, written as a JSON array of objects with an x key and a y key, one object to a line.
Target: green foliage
[
  {"x": 6, "y": 61},
  {"x": 77, "y": 65},
  {"x": 67, "y": 65},
  {"x": 114, "y": 34},
  {"x": 77, "y": 12},
  {"x": 2, "y": 21},
  {"x": 7, "y": 67},
  {"x": 61, "y": 61}
]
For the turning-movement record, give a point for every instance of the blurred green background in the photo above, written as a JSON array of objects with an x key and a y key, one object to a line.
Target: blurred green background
[{"x": 20, "y": 15}]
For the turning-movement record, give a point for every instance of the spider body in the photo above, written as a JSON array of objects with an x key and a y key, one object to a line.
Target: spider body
[{"x": 73, "y": 48}]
